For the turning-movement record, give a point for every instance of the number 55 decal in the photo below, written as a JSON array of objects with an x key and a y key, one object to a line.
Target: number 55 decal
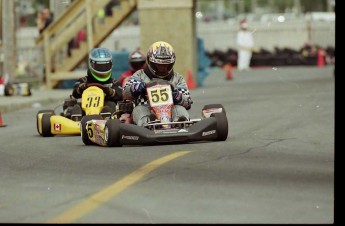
[{"x": 160, "y": 95}]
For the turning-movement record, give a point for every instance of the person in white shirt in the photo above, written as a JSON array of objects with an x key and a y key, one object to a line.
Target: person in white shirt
[{"x": 245, "y": 44}]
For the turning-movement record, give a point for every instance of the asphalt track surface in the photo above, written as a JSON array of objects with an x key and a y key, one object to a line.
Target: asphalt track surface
[{"x": 276, "y": 167}]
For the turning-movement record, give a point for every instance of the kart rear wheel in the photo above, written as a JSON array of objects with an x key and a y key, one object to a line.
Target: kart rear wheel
[
  {"x": 46, "y": 125},
  {"x": 84, "y": 131},
  {"x": 37, "y": 119},
  {"x": 210, "y": 106},
  {"x": 222, "y": 126},
  {"x": 112, "y": 133}
]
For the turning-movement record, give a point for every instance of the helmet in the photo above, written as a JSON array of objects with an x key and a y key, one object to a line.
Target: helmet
[
  {"x": 136, "y": 60},
  {"x": 161, "y": 59},
  {"x": 244, "y": 24},
  {"x": 100, "y": 64}
]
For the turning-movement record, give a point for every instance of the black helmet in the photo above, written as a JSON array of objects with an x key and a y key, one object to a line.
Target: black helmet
[
  {"x": 136, "y": 60},
  {"x": 100, "y": 64},
  {"x": 161, "y": 59}
]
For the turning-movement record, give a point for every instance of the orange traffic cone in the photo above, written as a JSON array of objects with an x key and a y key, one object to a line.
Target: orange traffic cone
[
  {"x": 190, "y": 80},
  {"x": 228, "y": 69},
  {"x": 320, "y": 58},
  {"x": 1, "y": 123}
]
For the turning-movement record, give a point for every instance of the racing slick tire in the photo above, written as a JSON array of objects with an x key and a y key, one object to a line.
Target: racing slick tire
[
  {"x": 84, "y": 131},
  {"x": 37, "y": 119},
  {"x": 112, "y": 133},
  {"x": 222, "y": 126},
  {"x": 46, "y": 125},
  {"x": 9, "y": 90},
  {"x": 210, "y": 106}
]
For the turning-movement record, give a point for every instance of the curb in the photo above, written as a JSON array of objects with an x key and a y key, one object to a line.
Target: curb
[{"x": 43, "y": 97}]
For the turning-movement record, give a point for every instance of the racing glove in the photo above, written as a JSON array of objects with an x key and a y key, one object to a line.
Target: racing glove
[
  {"x": 109, "y": 91},
  {"x": 138, "y": 88},
  {"x": 177, "y": 96},
  {"x": 81, "y": 88}
]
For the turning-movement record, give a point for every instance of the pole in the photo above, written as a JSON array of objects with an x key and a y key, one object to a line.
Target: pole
[{"x": 9, "y": 40}]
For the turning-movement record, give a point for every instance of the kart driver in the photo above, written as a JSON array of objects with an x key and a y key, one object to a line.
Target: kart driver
[
  {"x": 160, "y": 60},
  {"x": 99, "y": 71},
  {"x": 136, "y": 61}
]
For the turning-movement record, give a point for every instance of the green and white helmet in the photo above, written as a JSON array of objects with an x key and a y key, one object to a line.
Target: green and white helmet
[{"x": 100, "y": 64}]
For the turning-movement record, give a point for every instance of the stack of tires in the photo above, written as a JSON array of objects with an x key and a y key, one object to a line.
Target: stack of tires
[{"x": 15, "y": 89}]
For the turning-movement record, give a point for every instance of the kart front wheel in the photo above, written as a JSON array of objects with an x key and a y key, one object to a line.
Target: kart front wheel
[
  {"x": 46, "y": 125},
  {"x": 38, "y": 120},
  {"x": 112, "y": 133},
  {"x": 222, "y": 126},
  {"x": 84, "y": 131}
]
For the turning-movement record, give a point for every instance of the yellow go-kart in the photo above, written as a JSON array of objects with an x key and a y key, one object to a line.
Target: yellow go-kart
[{"x": 92, "y": 102}]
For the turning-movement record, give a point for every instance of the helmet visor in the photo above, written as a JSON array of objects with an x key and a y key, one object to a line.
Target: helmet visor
[
  {"x": 101, "y": 66},
  {"x": 162, "y": 69},
  {"x": 137, "y": 65}
]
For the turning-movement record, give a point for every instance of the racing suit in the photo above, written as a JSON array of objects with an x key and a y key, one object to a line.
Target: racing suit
[
  {"x": 245, "y": 43},
  {"x": 141, "y": 112},
  {"x": 109, "y": 100}
]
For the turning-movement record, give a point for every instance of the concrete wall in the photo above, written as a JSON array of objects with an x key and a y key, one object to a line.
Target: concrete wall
[
  {"x": 222, "y": 35},
  {"x": 216, "y": 35},
  {"x": 173, "y": 22},
  {"x": 293, "y": 34}
]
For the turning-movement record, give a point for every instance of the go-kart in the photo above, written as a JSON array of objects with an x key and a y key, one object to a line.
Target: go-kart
[
  {"x": 50, "y": 123},
  {"x": 118, "y": 131}
]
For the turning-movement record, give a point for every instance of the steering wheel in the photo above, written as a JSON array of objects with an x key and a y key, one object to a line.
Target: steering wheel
[
  {"x": 101, "y": 86},
  {"x": 158, "y": 81}
]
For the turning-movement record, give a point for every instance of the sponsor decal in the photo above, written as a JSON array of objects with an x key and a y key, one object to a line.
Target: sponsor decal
[
  {"x": 171, "y": 131},
  {"x": 57, "y": 126},
  {"x": 99, "y": 139},
  {"x": 130, "y": 137},
  {"x": 213, "y": 110},
  {"x": 208, "y": 112},
  {"x": 165, "y": 118},
  {"x": 208, "y": 133},
  {"x": 165, "y": 108}
]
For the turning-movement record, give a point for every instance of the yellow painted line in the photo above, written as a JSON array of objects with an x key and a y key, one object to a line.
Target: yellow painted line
[{"x": 106, "y": 194}]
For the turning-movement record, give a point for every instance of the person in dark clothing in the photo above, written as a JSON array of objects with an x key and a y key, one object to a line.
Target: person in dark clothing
[
  {"x": 109, "y": 7},
  {"x": 44, "y": 19},
  {"x": 99, "y": 71}
]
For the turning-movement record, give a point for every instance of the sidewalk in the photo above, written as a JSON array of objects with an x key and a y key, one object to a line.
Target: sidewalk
[{"x": 38, "y": 96}]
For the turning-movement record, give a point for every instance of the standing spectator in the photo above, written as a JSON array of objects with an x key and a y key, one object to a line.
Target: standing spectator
[
  {"x": 44, "y": 18},
  {"x": 75, "y": 41},
  {"x": 101, "y": 16},
  {"x": 39, "y": 21},
  {"x": 109, "y": 7},
  {"x": 245, "y": 44}
]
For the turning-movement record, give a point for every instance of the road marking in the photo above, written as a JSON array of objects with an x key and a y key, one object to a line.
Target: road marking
[{"x": 106, "y": 194}]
